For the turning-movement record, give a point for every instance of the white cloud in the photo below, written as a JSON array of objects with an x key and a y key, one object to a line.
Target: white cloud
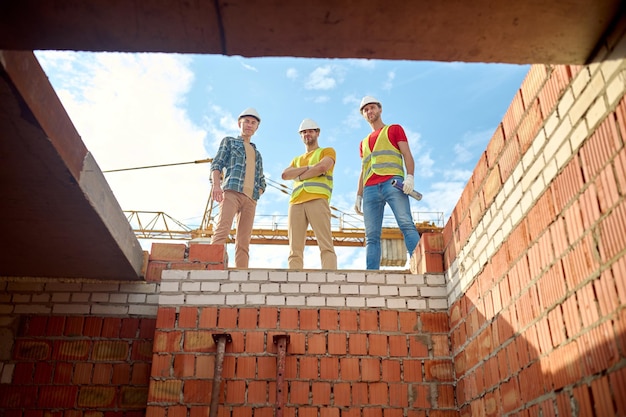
[
  {"x": 129, "y": 112},
  {"x": 248, "y": 66},
  {"x": 471, "y": 145},
  {"x": 324, "y": 78},
  {"x": 424, "y": 164},
  {"x": 292, "y": 73}
]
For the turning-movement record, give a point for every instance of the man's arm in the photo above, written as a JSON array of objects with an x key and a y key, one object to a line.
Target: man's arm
[
  {"x": 310, "y": 171},
  {"x": 408, "y": 157},
  {"x": 216, "y": 179},
  {"x": 292, "y": 172}
]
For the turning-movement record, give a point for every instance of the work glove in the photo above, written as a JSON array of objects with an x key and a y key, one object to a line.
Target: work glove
[
  {"x": 409, "y": 182},
  {"x": 358, "y": 204}
]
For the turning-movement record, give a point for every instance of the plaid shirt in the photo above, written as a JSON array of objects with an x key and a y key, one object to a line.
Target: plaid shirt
[{"x": 231, "y": 156}]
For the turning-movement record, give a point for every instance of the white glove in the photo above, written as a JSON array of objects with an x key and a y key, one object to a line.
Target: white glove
[
  {"x": 409, "y": 182},
  {"x": 358, "y": 204}
]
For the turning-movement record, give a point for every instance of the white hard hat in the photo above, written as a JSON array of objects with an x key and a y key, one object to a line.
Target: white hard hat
[
  {"x": 250, "y": 111},
  {"x": 368, "y": 100},
  {"x": 308, "y": 124}
]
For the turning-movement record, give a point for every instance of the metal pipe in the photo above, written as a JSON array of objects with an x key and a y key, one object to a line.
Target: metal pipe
[
  {"x": 281, "y": 341},
  {"x": 220, "y": 339}
]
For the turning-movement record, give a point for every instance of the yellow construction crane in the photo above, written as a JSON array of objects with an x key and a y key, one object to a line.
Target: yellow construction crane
[{"x": 347, "y": 230}]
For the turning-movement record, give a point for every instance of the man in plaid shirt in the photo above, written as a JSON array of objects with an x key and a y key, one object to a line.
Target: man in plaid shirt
[{"x": 238, "y": 182}]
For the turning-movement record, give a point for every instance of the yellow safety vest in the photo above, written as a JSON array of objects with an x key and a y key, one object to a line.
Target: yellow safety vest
[
  {"x": 322, "y": 185},
  {"x": 384, "y": 159}
]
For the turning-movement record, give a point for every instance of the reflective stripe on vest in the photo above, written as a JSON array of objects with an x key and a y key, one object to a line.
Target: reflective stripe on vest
[
  {"x": 322, "y": 185},
  {"x": 384, "y": 159}
]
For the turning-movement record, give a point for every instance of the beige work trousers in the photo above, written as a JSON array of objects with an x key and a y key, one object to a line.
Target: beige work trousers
[
  {"x": 244, "y": 208},
  {"x": 317, "y": 214}
]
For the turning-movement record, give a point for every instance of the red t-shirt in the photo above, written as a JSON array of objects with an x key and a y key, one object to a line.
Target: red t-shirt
[{"x": 396, "y": 134}]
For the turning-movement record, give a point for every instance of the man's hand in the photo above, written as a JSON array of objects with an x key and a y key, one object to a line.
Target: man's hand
[
  {"x": 358, "y": 204},
  {"x": 409, "y": 182}
]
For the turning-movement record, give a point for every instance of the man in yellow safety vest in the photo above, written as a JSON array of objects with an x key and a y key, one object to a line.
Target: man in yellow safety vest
[
  {"x": 383, "y": 152},
  {"x": 312, "y": 173}
]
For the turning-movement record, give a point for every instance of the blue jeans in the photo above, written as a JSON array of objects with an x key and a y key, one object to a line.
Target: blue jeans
[{"x": 374, "y": 199}]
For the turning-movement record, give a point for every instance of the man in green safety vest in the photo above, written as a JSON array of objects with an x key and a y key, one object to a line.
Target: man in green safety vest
[{"x": 312, "y": 173}]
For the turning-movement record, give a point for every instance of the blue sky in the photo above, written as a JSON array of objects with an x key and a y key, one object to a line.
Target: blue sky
[{"x": 135, "y": 110}]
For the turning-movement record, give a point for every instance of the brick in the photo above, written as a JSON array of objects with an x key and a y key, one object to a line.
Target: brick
[
  {"x": 308, "y": 319},
  {"x": 587, "y": 304},
  {"x": 543, "y": 335},
  {"x": 297, "y": 344},
  {"x": 509, "y": 159},
  {"x": 167, "y": 341},
  {"x": 348, "y": 320},
  {"x": 357, "y": 344},
  {"x": 254, "y": 342},
  {"x": 531, "y": 382},
  {"x": 247, "y": 318},
  {"x": 93, "y": 326},
  {"x": 328, "y": 319},
  {"x": 612, "y": 238},
  {"x": 321, "y": 393},
  {"x": 388, "y": 320},
  {"x": 377, "y": 344},
  {"x": 268, "y": 318},
  {"x": 162, "y": 365},
  {"x": 299, "y": 392},
  {"x": 140, "y": 374},
  {"x": 187, "y": 266},
  {"x": 598, "y": 349},
  {"x": 580, "y": 263},
  {"x": 307, "y": 411},
  {"x": 368, "y": 320},
  {"x": 359, "y": 394},
  {"x": 316, "y": 343},
  {"x": 184, "y": 365},
  {"x": 349, "y": 369},
  {"x": 266, "y": 368},
  {"x": 91, "y": 397},
  {"x": 421, "y": 396},
  {"x": 337, "y": 343},
  {"x": 510, "y": 395},
  {"x": 308, "y": 367},
  {"x": 63, "y": 373},
  {"x": 288, "y": 319},
  {"x": 438, "y": 370},
  {"x": 187, "y": 317},
  {"x": 329, "y": 412},
  {"x": 32, "y": 350},
  {"x": 329, "y": 368},
  {"x": 167, "y": 252},
  {"x": 102, "y": 373},
  {"x": 196, "y": 391},
  {"x": 565, "y": 365},
  {"x": 155, "y": 411},
  {"x": 227, "y": 318},
  {"x": 342, "y": 394},
  {"x": 206, "y": 253},
  {"x": 257, "y": 392},
  {"x": 235, "y": 391},
  {"x": 619, "y": 164},
  {"x": 72, "y": 350},
  {"x": 434, "y": 322},
  {"x": 398, "y": 346},
  {"x": 208, "y": 318},
  {"x": 412, "y": 370},
  {"x": 370, "y": 369},
  {"x": 195, "y": 341},
  {"x": 379, "y": 393}
]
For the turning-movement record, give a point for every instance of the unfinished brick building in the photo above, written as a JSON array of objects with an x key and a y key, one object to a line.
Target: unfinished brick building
[{"x": 516, "y": 309}]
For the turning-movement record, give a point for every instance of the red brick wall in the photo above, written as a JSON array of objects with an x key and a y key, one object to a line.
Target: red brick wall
[
  {"x": 540, "y": 326},
  {"x": 79, "y": 366},
  {"x": 338, "y": 362}
]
